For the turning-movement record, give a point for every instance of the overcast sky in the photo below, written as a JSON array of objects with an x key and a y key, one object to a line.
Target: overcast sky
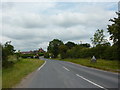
[{"x": 31, "y": 25}]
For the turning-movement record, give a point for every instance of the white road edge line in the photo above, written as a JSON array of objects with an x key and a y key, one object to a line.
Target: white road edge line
[
  {"x": 41, "y": 66},
  {"x": 66, "y": 68},
  {"x": 90, "y": 81},
  {"x": 93, "y": 68}
]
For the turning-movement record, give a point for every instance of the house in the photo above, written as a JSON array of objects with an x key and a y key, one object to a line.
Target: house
[
  {"x": 41, "y": 50},
  {"x": 34, "y": 52}
]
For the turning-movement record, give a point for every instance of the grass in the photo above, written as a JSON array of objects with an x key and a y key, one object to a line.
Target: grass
[
  {"x": 108, "y": 65},
  {"x": 0, "y": 78},
  {"x": 13, "y": 75}
]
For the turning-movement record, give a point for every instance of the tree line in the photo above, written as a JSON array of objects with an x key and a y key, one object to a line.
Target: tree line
[{"x": 101, "y": 47}]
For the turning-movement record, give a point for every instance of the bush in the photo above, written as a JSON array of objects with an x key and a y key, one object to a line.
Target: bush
[
  {"x": 62, "y": 50},
  {"x": 46, "y": 55},
  {"x": 27, "y": 55},
  {"x": 100, "y": 52},
  {"x": 111, "y": 53},
  {"x": 41, "y": 54},
  {"x": 75, "y": 52}
]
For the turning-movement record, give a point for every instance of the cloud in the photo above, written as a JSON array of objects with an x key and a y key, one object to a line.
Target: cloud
[{"x": 33, "y": 27}]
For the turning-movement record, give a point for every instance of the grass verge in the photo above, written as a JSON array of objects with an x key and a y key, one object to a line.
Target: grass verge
[
  {"x": 108, "y": 65},
  {"x": 13, "y": 75},
  {"x": 0, "y": 78}
]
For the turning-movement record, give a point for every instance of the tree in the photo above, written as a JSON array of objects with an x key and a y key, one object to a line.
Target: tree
[
  {"x": 63, "y": 49},
  {"x": 99, "y": 38},
  {"x": 114, "y": 31},
  {"x": 85, "y": 45},
  {"x": 7, "y": 50},
  {"x": 70, "y": 44},
  {"x": 110, "y": 53},
  {"x": 74, "y": 52},
  {"x": 54, "y": 47}
]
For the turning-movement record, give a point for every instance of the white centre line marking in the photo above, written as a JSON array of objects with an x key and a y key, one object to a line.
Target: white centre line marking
[
  {"x": 41, "y": 66},
  {"x": 90, "y": 81},
  {"x": 66, "y": 68}
]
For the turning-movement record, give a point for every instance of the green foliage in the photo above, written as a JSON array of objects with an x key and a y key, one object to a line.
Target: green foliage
[
  {"x": 46, "y": 55},
  {"x": 31, "y": 55},
  {"x": 100, "y": 51},
  {"x": 98, "y": 38},
  {"x": 110, "y": 53},
  {"x": 85, "y": 45},
  {"x": 27, "y": 55},
  {"x": 114, "y": 31},
  {"x": 74, "y": 52},
  {"x": 54, "y": 47},
  {"x": 70, "y": 44},
  {"x": 7, "y": 49},
  {"x": 63, "y": 49},
  {"x": 41, "y": 54}
]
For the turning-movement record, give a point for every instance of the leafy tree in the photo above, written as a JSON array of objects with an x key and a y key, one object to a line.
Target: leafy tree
[
  {"x": 98, "y": 38},
  {"x": 71, "y": 53},
  {"x": 74, "y": 52},
  {"x": 54, "y": 47},
  {"x": 63, "y": 49},
  {"x": 110, "y": 53},
  {"x": 114, "y": 31},
  {"x": 70, "y": 44},
  {"x": 7, "y": 50},
  {"x": 99, "y": 50},
  {"x": 85, "y": 45}
]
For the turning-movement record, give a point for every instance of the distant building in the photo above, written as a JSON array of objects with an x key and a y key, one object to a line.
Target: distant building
[
  {"x": 27, "y": 52},
  {"x": 41, "y": 50},
  {"x": 34, "y": 52}
]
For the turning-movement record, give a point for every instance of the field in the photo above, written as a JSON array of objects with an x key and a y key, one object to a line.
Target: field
[
  {"x": 13, "y": 75},
  {"x": 109, "y": 65}
]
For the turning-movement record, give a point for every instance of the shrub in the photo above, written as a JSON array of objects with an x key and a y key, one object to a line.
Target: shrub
[{"x": 46, "y": 55}]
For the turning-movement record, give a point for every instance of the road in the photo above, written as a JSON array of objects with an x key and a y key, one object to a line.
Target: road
[{"x": 61, "y": 74}]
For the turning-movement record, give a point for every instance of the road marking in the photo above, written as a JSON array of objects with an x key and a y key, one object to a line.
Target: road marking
[
  {"x": 90, "y": 81},
  {"x": 66, "y": 68},
  {"x": 41, "y": 66}
]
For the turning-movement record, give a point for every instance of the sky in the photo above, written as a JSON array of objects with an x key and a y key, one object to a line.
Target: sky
[{"x": 32, "y": 25}]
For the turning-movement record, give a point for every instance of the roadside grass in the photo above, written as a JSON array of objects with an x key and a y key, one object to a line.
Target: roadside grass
[
  {"x": 13, "y": 75},
  {"x": 0, "y": 78},
  {"x": 12, "y": 58},
  {"x": 108, "y": 65}
]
